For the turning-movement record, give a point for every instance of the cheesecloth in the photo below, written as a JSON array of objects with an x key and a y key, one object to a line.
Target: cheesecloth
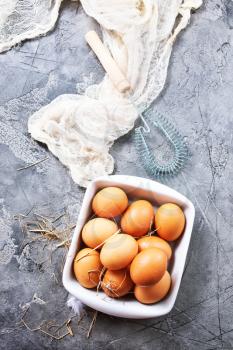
[{"x": 80, "y": 129}]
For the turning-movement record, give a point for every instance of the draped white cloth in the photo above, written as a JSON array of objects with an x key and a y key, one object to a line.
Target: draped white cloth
[
  {"x": 20, "y": 20},
  {"x": 80, "y": 129}
]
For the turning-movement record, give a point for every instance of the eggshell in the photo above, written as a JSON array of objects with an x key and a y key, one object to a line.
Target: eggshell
[
  {"x": 148, "y": 266},
  {"x": 155, "y": 292},
  {"x": 138, "y": 218},
  {"x": 117, "y": 283},
  {"x": 169, "y": 221},
  {"x": 118, "y": 252},
  {"x": 87, "y": 267},
  {"x": 97, "y": 230},
  {"x": 110, "y": 202},
  {"x": 154, "y": 242}
]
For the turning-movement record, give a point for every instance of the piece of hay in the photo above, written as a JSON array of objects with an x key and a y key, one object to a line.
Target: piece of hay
[{"x": 92, "y": 324}]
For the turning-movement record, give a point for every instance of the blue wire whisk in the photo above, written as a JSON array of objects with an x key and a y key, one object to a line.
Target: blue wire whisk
[{"x": 151, "y": 164}]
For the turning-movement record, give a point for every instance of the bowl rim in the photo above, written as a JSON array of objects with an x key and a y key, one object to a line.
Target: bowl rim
[{"x": 118, "y": 307}]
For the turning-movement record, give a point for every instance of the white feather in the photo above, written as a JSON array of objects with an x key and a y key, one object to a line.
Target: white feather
[{"x": 76, "y": 305}]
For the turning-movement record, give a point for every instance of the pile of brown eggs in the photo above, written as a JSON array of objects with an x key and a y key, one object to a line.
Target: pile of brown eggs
[{"x": 132, "y": 256}]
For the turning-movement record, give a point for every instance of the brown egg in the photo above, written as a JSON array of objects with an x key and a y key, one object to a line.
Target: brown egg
[
  {"x": 97, "y": 230},
  {"x": 154, "y": 242},
  {"x": 148, "y": 267},
  {"x": 169, "y": 221},
  {"x": 118, "y": 252},
  {"x": 155, "y": 292},
  {"x": 117, "y": 283},
  {"x": 110, "y": 202},
  {"x": 87, "y": 267},
  {"x": 138, "y": 218}
]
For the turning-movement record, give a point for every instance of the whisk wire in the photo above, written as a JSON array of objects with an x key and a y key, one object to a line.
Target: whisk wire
[
  {"x": 146, "y": 127},
  {"x": 149, "y": 161}
]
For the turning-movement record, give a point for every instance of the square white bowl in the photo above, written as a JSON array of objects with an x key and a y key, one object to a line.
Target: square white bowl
[{"x": 136, "y": 188}]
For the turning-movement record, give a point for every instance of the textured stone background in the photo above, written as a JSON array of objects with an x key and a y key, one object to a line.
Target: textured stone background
[{"x": 199, "y": 97}]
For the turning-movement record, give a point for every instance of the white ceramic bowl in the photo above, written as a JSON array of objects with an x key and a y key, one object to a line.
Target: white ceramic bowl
[{"x": 157, "y": 194}]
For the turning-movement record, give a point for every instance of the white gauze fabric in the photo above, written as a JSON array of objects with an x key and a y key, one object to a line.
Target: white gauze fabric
[
  {"x": 20, "y": 20},
  {"x": 80, "y": 130}
]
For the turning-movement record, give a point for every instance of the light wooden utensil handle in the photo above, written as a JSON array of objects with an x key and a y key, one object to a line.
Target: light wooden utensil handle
[{"x": 105, "y": 58}]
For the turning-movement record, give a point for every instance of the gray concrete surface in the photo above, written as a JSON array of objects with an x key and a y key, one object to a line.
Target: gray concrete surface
[{"x": 199, "y": 97}]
